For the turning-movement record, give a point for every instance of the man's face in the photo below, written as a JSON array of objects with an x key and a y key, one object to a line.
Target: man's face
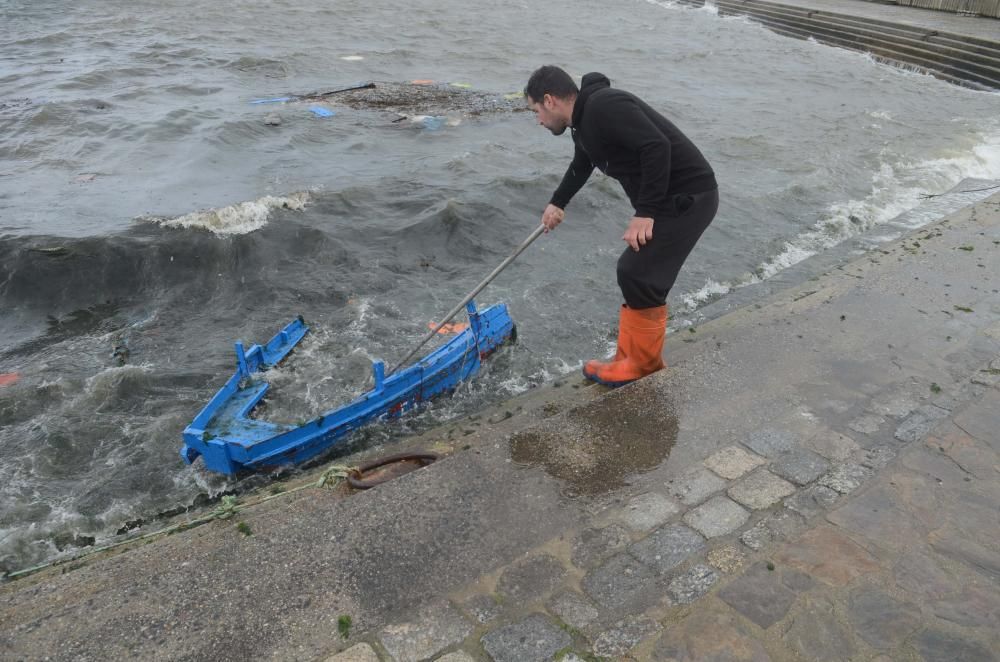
[{"x": 547, "y": 115}]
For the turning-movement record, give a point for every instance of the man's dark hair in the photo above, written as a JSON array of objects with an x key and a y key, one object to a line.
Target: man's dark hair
[{"x": 550, "y": 79}]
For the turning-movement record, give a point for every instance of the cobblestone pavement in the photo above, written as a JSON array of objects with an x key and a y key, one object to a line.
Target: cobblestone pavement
[{"x": 876, "y": 541}]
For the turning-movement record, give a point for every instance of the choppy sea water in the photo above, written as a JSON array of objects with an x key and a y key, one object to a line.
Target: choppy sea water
[{"x": 149, "y": 215}]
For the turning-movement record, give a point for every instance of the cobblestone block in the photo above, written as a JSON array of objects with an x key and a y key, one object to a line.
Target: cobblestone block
[
  {"x": 692, "y": 584},
  {"x": 482, "y": 608},
  {"x": 356, "y": 653},
  {"x": 716, "y": 517},
  {"x": 770, "y": 443},
  {"x": 827, "y": 555},
  {"x": 773, "y": 527},
  {"x": 727, "y": 559},
  {"x": 667, "y": 547},
  {"x": 833, "y": 445},
  {"x": 621, "y": 582},
  {"x": 896, "y": 406},
  {"x": 534, "y": 639},
  {"x": 624, "y": 635},
  {"x": 574, "y": 610},
  {"x": 732, "y": 462},
  {"x": 918, "y": 424},
  {"x": 647, "y": 511},
  {"x": 867, "y": 424},
  {"x": 875, "y": 458},
  {"x": 817, "y": 635},
  {"x": 531, "y": 578},
  {"x": 760, "y": 490},
  {"x": 811, "y": 501},
  {"x": 438, "y": 627},
  {"x": 846, "y": 478},
  {"x": 881, "y": 620},
  {"x": 695, "y": 485},
  {"x": 759, "y": 595},
  {"x": 800, "y": 466},
  {"x": 594, "y": 545}
]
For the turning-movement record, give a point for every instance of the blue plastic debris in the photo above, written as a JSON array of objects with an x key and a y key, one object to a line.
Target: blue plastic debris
[
  {"x": 432, "y": 122},
  {"x": 320, "y": 111},
  {"x": 230, "y": 441}
]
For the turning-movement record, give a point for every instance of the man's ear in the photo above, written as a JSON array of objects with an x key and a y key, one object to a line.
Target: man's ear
[{"x": 548, "y": 101}]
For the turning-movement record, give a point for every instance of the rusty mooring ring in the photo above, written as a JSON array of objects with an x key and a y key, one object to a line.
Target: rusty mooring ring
[{"x": 354, "y": 478}]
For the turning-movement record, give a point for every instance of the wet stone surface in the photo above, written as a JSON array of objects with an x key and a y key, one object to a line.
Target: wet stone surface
[
  {"x": 692, "y": 584},
  {"x": 574, "y": 610},
  {"x": 594, "y": 545},
  {"x": 759, "y": 595},
  {"x": 939, "y": 646},
  {"x": 356, "y": 653},
  {"x": 624, "y": 635},
  {"x": 732, "y": 462},
  {"x": 812, "y": 500},
  {"x": 828, "y": 555},
  {"x": 534, "y": 639},
  {"x": 816, "y": 633},
  {"x": 846, "y": 478},
  {"x": 760, "y": 490},
  {"x": 667, "y": 547},
  {"x": 881, "y": 620},
  {"x": 695, "y": 485},
  {"x": 531, "y": 578},
  {"x": 716, "y": 517},
  {"x": 710, "y": 636},
  {"x": 800, "y": 466},
  {"x": 622, "y": 582},
  {"x": 439, "y": 626},
  {"x": 918, "y": 424},
  {"x": 648, "y": 511},
  {"x": 770, "y": 443}
]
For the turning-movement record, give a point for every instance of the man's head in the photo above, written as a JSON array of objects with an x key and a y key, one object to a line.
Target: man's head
[{"x": 550, "y": 94}]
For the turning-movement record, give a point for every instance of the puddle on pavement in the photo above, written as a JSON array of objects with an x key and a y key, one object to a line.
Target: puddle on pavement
[{"x": 595, "y": 448}]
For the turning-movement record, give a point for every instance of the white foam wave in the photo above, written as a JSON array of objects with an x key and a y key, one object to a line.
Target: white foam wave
[
  {"x": 896, "y": 189},
  {"x": 240, "y": 218}
]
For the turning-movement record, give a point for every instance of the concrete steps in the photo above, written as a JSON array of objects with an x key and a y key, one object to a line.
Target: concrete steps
[{"x": 960, "y": 59}]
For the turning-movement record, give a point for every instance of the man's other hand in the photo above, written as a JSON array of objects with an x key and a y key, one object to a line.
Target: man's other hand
[
  {"x": 640, "y": 230},
  {"x": 552, "y": 216}
]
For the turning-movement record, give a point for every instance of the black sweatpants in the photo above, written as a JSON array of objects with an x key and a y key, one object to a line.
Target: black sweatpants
[{"x": 645, "y": 277}]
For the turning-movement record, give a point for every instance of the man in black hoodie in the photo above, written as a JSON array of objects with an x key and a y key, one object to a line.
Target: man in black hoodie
[{"x": 669, "y": 183}]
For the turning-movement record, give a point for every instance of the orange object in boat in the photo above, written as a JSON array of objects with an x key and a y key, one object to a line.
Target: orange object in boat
[
  {"x": 8, "y": 378},
  {"x": 456, "y": 327},
  {"x": 422, "y": 81}
]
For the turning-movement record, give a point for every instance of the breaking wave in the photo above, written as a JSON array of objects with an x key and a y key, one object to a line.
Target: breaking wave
[{"x": 240, "y": 218}]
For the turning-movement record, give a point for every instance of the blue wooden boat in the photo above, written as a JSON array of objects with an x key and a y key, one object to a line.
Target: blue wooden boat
[{"x": 229, "y": 441}]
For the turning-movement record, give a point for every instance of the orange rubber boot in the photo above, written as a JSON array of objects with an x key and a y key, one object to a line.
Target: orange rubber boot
[{"x": 640, "y": 339}]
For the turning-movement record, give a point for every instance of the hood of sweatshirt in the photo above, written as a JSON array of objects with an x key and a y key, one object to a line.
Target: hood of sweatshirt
[{"x": 591, "y": 83}]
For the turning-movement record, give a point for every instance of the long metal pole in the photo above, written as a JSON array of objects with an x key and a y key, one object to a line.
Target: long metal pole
[{"x": 486, "y": 281}]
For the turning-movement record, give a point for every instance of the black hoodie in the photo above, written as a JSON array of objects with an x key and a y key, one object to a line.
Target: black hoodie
[{"x": 625, "y": 138}]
